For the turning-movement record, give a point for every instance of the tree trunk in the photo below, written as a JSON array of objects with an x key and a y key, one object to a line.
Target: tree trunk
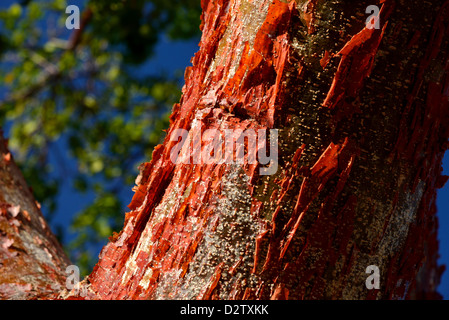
[
  {"x": 363, "y": 117},
  {"x": 32, "y": 262}
]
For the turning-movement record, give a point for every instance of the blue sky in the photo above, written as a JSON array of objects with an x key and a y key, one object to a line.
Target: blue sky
[
  {"x": 171, "y": 56},
  {"x": 443, "y": 215}
]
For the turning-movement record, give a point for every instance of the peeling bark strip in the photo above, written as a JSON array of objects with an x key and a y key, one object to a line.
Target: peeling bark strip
[
  {"x": 32, "y": 263},
  {"x": 363, "y": 120}
]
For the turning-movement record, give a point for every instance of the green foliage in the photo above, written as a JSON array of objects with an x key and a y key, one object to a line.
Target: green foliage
[
  {"x": 78, "y": 111},
  {"x": 97, "y": 221}
]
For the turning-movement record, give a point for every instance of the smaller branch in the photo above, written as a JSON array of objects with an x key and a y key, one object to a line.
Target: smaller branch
[
  {"x": 52, "y": 72},
  {"x": 75, "y": 39}
]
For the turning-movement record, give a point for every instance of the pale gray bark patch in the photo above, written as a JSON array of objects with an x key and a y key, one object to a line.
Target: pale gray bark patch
[
  {"x": 392, "y": 242},
  {"x": 233, "y": 238}
]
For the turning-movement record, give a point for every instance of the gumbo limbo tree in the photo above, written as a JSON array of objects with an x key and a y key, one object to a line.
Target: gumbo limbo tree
[{"x": 362, "y": 115}]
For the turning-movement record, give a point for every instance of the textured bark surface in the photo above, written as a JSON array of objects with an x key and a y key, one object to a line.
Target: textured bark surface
[
  {"x": 32, "y": 263},
  {"x": 363, "y": 120}
]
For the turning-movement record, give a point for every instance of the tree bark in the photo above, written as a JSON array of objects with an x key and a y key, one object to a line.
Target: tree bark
[
  {"x": 32, "y": 262},
  {"x": 363, "y": 125},
  {"x": 363, "y": 120}
]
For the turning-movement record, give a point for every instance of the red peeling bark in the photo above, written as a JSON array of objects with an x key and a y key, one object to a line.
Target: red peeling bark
[
  {"x": 363, "y": 120},
  {"x": 32, "y": 262}
]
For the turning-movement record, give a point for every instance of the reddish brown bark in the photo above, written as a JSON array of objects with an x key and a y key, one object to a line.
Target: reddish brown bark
[
  {"x": 363, "y": 117},
  {"x": 32, "y": 263}
]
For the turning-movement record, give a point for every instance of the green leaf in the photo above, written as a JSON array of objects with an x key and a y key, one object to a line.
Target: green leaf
[{"x": 15, "y": 11}]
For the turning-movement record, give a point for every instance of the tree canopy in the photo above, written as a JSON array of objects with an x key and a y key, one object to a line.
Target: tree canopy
[{"x": 79, "y": 106}]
